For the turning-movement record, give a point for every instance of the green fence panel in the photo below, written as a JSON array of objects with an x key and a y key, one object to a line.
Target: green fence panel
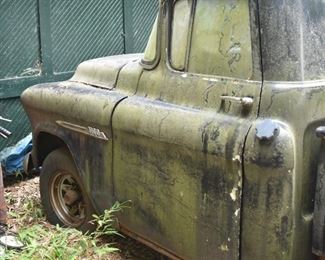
[
  {"x": 19, "y": 42},
  {"x": 44, "y": 41},
  {"x": 82, "y": 30},
  {"x": 139, "y": 16},
  {"x": 143, "y": 19}
]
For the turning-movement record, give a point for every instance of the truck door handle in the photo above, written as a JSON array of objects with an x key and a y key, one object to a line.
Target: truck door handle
[{"x": 245, "y": 101}]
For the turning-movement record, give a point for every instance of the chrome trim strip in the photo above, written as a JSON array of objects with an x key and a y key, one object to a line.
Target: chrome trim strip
[{"x": 90, "y": 131}]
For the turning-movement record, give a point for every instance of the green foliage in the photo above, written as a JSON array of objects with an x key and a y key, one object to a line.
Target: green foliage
[
  {"x": 44, "y": 241},
  {"x": 105, "y": 222},
  {"x": 29, "y": 211}
]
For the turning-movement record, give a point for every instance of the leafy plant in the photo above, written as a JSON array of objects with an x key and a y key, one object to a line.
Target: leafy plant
[
  {"x": 44, "y": 241},
  {"x": 105, "y": 222}
]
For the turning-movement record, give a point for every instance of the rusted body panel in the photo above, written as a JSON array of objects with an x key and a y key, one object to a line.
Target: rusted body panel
[
  {"x": 103, "y": 72},
  {"x": 218, "y": 166},
  {"x": 88, "y": 152},
  {"x": 284, "y": 191},
  {"x": 183, "y": 160},
  {"x": 70, "y": 110},
  {"x": 185, "y": 178},
  {"x": 279, "y": 183}
]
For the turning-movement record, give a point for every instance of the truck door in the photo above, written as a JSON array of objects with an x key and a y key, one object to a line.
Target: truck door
[{"x": 178, "y": 143}]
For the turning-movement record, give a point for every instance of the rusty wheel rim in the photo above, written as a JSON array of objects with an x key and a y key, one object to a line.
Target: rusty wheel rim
[{"x": 67, "y": 200}]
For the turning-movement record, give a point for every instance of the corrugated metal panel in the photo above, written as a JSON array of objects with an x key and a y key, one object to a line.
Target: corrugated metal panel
[
  {"x": 83, "y": 30},
  {"x": 143, "y": 16},
  {"x": 19, "y": 41},
  {"x": 11, "y": 108}
]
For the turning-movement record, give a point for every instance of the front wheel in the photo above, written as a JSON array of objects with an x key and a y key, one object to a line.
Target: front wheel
[{"x": 63, "y": 197}]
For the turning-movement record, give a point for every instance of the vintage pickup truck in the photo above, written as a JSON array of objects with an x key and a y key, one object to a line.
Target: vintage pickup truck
[{"x": 214, "y": 133}]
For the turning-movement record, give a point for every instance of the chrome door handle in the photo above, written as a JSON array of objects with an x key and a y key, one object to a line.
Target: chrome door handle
[{"x": 245, "y": 101}]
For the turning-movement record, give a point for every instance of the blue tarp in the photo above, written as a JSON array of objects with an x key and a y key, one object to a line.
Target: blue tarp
[{"x": 12, "y": 158}]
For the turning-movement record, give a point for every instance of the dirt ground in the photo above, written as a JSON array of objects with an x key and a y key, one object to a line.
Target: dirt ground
[{"x": 16, "y": 190}]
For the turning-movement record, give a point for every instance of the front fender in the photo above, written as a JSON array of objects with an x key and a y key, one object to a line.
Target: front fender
[
  {"x": 79, "y": 115},
  {"x": 92, "y": 157}
]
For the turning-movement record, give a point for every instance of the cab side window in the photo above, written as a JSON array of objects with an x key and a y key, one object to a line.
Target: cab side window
[
  {"x": 180, "y": 33},
  {"x": 220, "y": 39}
]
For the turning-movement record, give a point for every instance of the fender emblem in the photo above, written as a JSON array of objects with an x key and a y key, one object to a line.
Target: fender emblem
[{"x": 91, "y": 131}]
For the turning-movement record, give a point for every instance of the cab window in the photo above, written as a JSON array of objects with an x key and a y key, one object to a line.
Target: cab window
[
  {"x": 219, "y": 40},
  {"x": 179, "y": 33}
]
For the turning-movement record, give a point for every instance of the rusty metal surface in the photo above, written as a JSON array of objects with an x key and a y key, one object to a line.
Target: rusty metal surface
[
  {"x": 318, "y": 239},
  {"x": 103, "y": 72},
  {"x": 293, "y": 48},
  {"x": 283, "y": 172},
  {"x": 148, "y": 242}
]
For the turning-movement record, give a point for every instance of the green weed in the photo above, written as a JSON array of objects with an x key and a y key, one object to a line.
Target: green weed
[
  {"x": 105, "y": 222},
  {"x": 44, "y": 241}
]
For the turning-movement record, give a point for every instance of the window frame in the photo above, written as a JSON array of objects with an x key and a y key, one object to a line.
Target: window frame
[
  {"x": 151, "y": 64},
  {"x": 170, "y": 20},
  {"x": 257, "y": 68}
]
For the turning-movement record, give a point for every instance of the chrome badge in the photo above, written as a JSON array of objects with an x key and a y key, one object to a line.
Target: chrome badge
[{"x": 91, "y": 131}]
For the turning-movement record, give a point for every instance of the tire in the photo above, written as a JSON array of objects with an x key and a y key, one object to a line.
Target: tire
[{"x": 63, "y": 196}]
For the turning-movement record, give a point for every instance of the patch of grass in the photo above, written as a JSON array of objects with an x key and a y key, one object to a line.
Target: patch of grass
[
  {"x": 30, "y": 210},
  {"x": 45, "y": 241},
  {"x": 59, "y": 243}
]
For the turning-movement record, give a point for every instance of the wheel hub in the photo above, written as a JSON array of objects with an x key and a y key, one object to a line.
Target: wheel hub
[{"x": 67, "y": 199}]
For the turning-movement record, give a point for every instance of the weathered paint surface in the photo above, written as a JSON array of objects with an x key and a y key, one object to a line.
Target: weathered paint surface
[
  {"x": 75, "y": 101},
  {"x": 102, "y": 72},
  {"x": 280, "y": 176},
  {"x": 181, "y": 169},
  {"x": 319, "y": 209},
  {"x": 209, "y": 177}
]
